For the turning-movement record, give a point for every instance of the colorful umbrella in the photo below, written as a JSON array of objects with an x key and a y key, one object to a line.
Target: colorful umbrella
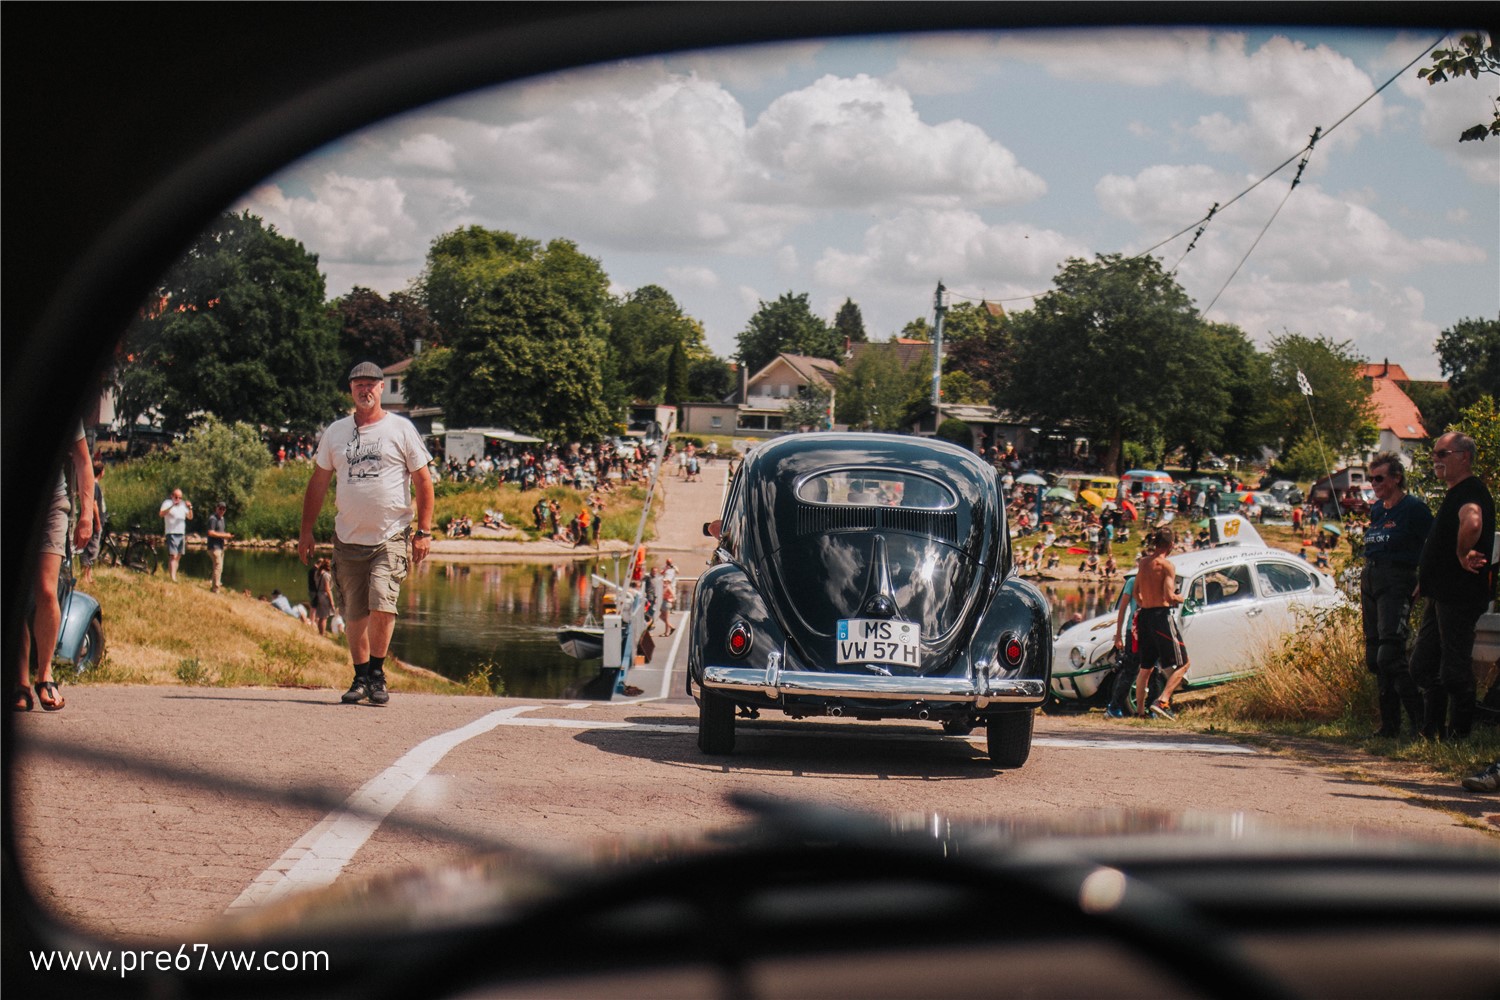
[
  {"x": 1031, "y": 479},
  {"x": 1092, "y": 498},
  {"x": 1058, "y": 493},
  {"x": 1333, "y": 529}
]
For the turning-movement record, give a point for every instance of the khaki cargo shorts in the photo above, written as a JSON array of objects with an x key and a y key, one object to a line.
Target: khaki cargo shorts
[
  {"x": 368, "y": 577},
  {"x": 55, "y": 534}
]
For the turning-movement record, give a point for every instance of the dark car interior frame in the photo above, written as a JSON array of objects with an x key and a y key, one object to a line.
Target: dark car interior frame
[{"x": 130, "y": 126}]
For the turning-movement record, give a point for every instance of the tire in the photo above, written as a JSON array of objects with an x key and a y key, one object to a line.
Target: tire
[
  {"x": 1153, "y": 691},
  {"x": 92, "y": 650},
  {"x": 108, "y": 554},
  {"x": 141, "y": 557},
  {"x": 1008, "y": 738},
  {"x": 715, "y": 723}
]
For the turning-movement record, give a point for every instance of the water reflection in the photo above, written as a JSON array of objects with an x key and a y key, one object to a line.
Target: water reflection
[{"x": 460, "y": 617}]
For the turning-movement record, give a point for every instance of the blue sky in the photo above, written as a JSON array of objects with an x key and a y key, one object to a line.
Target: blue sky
[{"x": 870, "y": 169}]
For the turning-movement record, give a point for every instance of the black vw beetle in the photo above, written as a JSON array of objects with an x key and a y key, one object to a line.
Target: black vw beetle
[{"x": 868, "y": 575}]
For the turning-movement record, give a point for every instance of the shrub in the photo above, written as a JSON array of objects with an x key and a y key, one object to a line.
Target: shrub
[{"x": 1318, "y": 675}]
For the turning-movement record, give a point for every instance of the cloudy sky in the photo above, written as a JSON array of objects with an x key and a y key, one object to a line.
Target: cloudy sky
[{"x": 873, "y": 169}]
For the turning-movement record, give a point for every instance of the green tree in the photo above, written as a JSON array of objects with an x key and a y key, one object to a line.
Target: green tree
[
  {"x": 525, "y": 327},
  {"x": 677, "y": 372},
  {"x": 1469, "y": 352},
  {"x": 809, "y": 411},
  {"x": 785, "y": 326},
  {"x": 849, "y": 323},
  {"x": 1226, "y": 411},
  {"x": 1475, "y": 54},
  {"x": 1434, "y": 400},
  {"x": 646, "y": 328},
  {"x": 1340, "y": 398},
  {"x": 876, "y": 392},
  {"x": 238, "y": 328},
  {"x": 219, "y": 461},
  {"x": 978, "y": 347},
  {"x": 709, "y": 380},
  {"x": 917, "y": 329},
  {"x": 1107, "y": 351},
  {"x": 372, "y": 328}
]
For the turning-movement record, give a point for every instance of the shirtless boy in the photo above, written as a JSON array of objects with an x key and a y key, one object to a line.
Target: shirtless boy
[{"x": 1160, "y": 641}]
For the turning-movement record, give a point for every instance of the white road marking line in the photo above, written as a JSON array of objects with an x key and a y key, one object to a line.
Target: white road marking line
[
  {"x": 320, "y": 854},
  {"x": 666, "y": 675},
  {"x": 1059, "y": 742}
]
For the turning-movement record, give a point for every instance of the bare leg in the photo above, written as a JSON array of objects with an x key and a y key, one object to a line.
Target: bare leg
[
  {"x": 40, "y": 640},
  {"x": 380, "y": 626},
  {"x": 1172, "y": 683},
  {"x": 1142, "y": 682},
  {"x": 357, "y": 631}
]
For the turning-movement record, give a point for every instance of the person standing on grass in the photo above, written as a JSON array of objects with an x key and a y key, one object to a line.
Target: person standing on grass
[
  {"x": 175, "y": 512},
  {"x": 44, "y": 620},
  {"x": 1399, "y": 524},
  {"x": 217, "y": 535},
  {"x": 1454, "y": 576},
  {"x": 381, "y": 465}
]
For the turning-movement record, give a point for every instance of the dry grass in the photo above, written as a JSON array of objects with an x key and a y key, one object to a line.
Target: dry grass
[
  {"x": 159, "y": 632},
  {"x": 1316, "y": 675}
]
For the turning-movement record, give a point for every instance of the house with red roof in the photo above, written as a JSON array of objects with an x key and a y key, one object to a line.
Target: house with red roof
[{"x": 1399, "y": 420}]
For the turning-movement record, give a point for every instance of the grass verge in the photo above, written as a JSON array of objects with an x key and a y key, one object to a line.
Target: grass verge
[{"x": 160, "y": 632}]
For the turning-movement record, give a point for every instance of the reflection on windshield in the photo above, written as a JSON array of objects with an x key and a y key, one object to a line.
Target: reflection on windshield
[{"x": 876, "y": 488}]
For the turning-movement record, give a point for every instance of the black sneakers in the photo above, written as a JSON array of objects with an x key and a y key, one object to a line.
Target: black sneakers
[
  {"x": 360, "y": 690},
  {"x": 378, "y": 694}
]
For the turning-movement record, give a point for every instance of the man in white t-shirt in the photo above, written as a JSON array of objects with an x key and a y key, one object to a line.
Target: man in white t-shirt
[
  {"x": 380, "y": 462},
  {"x": 175, "y": 512}
]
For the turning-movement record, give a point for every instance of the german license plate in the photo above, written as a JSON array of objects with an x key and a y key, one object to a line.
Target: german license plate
[{"x": 878, "y": 640}]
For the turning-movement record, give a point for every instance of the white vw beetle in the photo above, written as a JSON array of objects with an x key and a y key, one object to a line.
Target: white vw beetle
[{"x": 1241, "y": 598}]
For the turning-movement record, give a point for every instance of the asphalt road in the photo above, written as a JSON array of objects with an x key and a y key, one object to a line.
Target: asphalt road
[{"x": 152, "y": 810}]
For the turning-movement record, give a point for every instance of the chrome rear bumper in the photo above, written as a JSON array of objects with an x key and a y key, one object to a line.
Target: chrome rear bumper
[{"x": 773, "y": 683}]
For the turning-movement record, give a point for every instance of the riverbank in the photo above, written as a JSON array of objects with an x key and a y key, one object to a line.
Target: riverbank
[{"x": 160, "y": 632}]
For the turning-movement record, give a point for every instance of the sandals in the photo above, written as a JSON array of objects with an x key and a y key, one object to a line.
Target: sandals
[
  {"x": 46, "y": 693},
  {"x": 21, "y": 699}
]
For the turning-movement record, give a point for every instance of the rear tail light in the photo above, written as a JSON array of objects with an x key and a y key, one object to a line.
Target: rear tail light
[
  {"x": 1012, "y": 651},
  {"x": 739, "y": 640}
]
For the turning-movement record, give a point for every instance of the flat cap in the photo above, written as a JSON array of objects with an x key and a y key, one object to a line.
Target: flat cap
[{"x": 366, "y": 369}]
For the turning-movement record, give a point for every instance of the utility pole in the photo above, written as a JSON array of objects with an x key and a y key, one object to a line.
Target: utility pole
[{"x": 939, "y": 309}]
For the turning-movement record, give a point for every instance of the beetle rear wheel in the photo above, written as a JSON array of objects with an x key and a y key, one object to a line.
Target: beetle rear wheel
[
  {"x": 715, "y": 723},
  {"x": 1008, "y": 737},
  {"x": 92, "y": 650}
]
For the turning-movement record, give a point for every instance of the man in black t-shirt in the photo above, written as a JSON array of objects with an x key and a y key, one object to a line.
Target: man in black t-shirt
[{"x": 1455, "y": 578}]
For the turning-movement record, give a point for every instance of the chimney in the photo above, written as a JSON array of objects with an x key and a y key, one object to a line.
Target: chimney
[{"x": 416, "y": 346}]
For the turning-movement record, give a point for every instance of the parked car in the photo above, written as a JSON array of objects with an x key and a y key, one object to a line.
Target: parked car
[
  {"x": 1242, "y": 596},
  {"x": 868, "y": 575},
  {"x": 1264, "y": 504},
  {"x": 1287, "y": 492}
]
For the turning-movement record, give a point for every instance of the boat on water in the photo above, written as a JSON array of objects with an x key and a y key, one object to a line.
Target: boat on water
[{"x": 583, "y": 642}]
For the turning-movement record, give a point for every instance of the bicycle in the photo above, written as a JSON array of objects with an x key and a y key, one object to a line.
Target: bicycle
[{"x": 134, "y": 552}]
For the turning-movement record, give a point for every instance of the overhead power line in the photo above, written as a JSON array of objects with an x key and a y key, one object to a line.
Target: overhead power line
[{"x": 1202, "y": 222}]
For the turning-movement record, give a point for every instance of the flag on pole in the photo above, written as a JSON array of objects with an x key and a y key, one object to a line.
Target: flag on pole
[{"x": 1303, "y": 384}]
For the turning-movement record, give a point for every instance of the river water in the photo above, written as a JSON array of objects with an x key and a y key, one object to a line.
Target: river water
[{"x": 458, "y": 617}]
